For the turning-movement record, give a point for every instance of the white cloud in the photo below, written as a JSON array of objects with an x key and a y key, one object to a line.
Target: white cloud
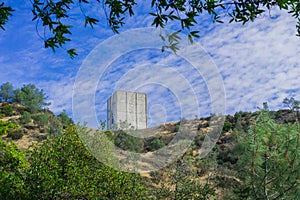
[{"x": 258, "y": 61}]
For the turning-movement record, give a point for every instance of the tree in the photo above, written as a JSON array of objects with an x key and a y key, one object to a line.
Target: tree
[
  {"x": 62, "y": 168},
  {"x": 32, "y": 97},
  {"x": 65, "y": 119},
  {"x": 292, "y": 104},
  {"x": 185, "y": 13},
  {"x": 6, "y": 92},
  {"x": 269, "y": 160}
]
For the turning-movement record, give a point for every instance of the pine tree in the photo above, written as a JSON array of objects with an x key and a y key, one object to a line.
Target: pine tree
[{"x": 270, "y": 161}]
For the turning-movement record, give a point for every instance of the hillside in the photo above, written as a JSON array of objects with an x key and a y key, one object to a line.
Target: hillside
[
  {"x": 29, "y": 127},
  {"x": 217, "y": 174}
]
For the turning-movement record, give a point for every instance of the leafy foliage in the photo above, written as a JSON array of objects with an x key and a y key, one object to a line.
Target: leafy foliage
[
  {"x": 5, "y": 126},
  {"x": 177, "y": 127},
  {"x": 65, "y": 119},
  {"x": 227, "y": 126},
  {"x": 56, "y": 127},
  {"x": 7, "y": 110},
  {"x": 42, "y": 119},
  {"x": 62, "y": 168},
  {"x": 12, "y": 166},
  {"x": 156, "y": 144},
  {"x": 128, "y": 142},
  {"x": 15, "y": 134},
  {"x": 5, "y": 12},
  {"x": 25, "y": 118},
  {"x": 29, "y": 96},
  {"x": 185, "y": 14}
]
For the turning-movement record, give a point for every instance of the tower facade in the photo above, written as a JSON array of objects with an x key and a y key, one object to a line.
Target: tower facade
[{"x": 127, "y": 108}]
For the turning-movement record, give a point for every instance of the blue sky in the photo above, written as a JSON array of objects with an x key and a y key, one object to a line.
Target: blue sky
[{"x": 258, "y": 62}]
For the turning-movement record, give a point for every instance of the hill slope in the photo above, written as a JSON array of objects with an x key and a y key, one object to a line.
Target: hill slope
[{"x": 218, "y": 172}]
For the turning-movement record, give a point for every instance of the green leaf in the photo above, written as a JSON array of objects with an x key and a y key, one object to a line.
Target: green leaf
[
  {"x": 72, "y": 53},
  {"x": 91, "y": 21},
  {"x": 5, "y": 12}
]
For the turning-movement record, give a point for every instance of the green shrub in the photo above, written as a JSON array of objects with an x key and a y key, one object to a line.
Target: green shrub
[
  {"x": 128, "y": 142},
  {"x": 31, "y": 97},
  {"x": 226, "y": 127},
  {"x": 25, "y": 118},
  {"x": 109, "y": 135},
  {"x": 13, "y": 165},
  {"x": 56, "y": 126},
  {"x": 177, "y": 127},
  {"x": 5, "y": 126},
  {"x": 65, "y": 119},
  {"x": 227, "y": 156},
  {"x": 63, "y": 168},
  {"x": 7, "y": 110},
  {"x": 156, "y": 144},
  {"x": 41, "y": 119}
]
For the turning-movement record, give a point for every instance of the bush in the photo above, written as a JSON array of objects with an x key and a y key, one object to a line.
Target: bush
[
  {"x": 7, "y": 110},
  {"x": 62, "y": 168},
  {"x": 128, "y": 142},
  {"x": 56, "y": 126},
  {"x": 6, "y": 92},
  {"x": 41, "y": 119},
  {"x": 65, "y": 119},
  {"x": 226, "y": 127},
  {"x": 5, "y": 126},
  {"x": 15, "y": 134},
  {"x": 13, "y": 165},
  {"x": 227, "y": 156},
  {"x": 25, "y": 118},
  {"x": 156, "y": 144},
  {"x": 177, "y": 127}
]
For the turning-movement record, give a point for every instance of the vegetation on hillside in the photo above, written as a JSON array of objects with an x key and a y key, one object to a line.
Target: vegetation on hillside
[
  {"x": 61, "y": 168},
  {"x": 256, "y": 157}
]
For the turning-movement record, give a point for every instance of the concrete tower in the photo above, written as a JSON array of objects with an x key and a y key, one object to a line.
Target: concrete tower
[{"x": 128, "y": 107}]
